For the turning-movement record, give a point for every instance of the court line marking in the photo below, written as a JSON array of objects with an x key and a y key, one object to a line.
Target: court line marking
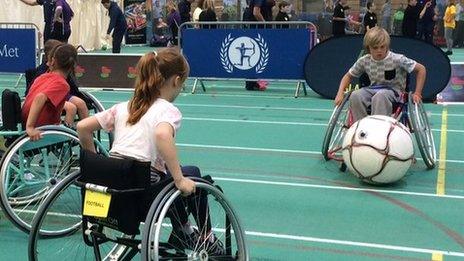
[
  {"x": 355, "y": 243},
  {"x": 331, "y": 241},
  {"x": 307, "y": 152},
  {"x": 267, "y": 108},
  {"x": 281, "y": 122},
  {"x": 442, "y": 159},
  {"x": 291, "y": 184}
]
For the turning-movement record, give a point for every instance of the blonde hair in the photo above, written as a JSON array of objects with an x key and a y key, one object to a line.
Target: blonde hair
[
  {"x": 376, "y": 36},
  {"x": 208, "y": 4},
  {"x": 153, "y": 69}
]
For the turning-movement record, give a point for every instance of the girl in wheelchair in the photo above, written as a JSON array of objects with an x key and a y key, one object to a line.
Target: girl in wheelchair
[
  {"x": 47, "y": 95},
  {"x": 74, "y": 104},
  {"x": 387, "y": 72},
  {"x": 144, "y": 129}
]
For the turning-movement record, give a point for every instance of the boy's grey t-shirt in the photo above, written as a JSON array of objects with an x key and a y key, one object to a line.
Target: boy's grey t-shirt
[{"x": 391, "y": 71}]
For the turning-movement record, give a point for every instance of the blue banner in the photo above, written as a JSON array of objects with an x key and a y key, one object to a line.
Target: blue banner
[
  {"x": 246, "y": 53},
  {"x": 17, "y": 50}
]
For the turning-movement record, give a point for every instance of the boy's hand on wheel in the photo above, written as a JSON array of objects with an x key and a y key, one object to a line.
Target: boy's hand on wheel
[
  {"x": 416, "y": 97},
  {"x": 338, "y": 99}
]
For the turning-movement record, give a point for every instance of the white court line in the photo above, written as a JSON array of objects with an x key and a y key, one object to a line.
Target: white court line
[
  {"x": 281, "y": 122},
  {"x": 290, "y": 184},
  {"x": 354, "y": 243},
  {"x": 309, "y": 152},
  {"x": 267, "y": 108}
]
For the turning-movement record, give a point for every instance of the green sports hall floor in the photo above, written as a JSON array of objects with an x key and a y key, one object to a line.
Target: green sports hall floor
[{"x": 263, "y": 148}]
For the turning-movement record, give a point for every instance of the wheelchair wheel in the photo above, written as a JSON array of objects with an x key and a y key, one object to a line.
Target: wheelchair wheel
[
  {"x": 57, "y": 230},
  {"x": 95, "y": 105},
  {"x": 161, "y": 241},
  {"x": 422, "y": 132},
  {"x": 30, "y": 170},
  {"x": 336, "y": 129}
]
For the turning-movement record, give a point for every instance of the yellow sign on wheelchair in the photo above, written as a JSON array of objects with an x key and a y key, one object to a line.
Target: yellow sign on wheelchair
[{"x": 96, "y": 204}]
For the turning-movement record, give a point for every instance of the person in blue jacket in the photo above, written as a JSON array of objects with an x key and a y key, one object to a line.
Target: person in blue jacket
[{"x": 117, "y": 24}]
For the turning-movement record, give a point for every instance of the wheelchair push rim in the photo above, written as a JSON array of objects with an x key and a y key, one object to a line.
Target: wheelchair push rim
[
  {"x": 337, "y": 127},
  {"x": 422, "y": 132},
  {"x": 158, "y": 231}
]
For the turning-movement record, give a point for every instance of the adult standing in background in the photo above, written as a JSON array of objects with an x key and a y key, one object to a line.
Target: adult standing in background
[
  {"x": 198, "y": 10},
  {"x": 258, "y": 11},
  {"x": 63, "y": 14},
  {"x": 184, "y": 8},
  {"x": 459, "y": 30},
  {"x": 370, "y": 18},
  {"x": 386, "y": 16},
  {"x": 48, "y": 12},
  {"x": 426, "y": 21},
  {"x": 410, "y": 19},
  {"x": 117, "y": 24},
  {"x": 338, "y": 19}
]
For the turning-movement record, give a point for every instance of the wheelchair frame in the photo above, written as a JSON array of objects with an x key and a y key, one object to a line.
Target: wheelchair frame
[
  {"x": 150, "y": 246},
  {"x": 18, "y": 162},
  {"x": 411, "y": 114}
]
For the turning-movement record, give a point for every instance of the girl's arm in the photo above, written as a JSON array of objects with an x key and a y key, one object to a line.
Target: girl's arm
[
  {"x": 164, "y": 136},
  {"x": 36, "y": 107},
  {"x": 85, "y": 129}
]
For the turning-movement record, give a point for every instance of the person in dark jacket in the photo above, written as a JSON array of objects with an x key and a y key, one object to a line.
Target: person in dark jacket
[
  {"x": 208, "y": 14},
  {"x": 282, "y": 15},
  {"x": 370, "y": 18},
  {"x": 410, "y": 19},
  {"x": 184, "y": 8},
  {"x": 117, "y": 24}
]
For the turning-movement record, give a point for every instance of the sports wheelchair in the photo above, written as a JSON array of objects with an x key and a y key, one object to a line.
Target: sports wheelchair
[
  {"x": 115, "y": 235},
  {"x": 30, "y": 170},
  {"x": 412, "y": 115}
]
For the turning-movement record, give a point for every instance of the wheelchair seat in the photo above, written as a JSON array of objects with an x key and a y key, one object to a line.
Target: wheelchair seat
[{"x": 122, "y": 175}]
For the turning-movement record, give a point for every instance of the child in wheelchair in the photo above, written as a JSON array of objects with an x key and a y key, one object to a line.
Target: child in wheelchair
[
  {"x": 387, "y": 72},
  {"x": 144, "y": 129},
  {"x": 75, "y": 104},
  {"x": 47, "y": 95}
]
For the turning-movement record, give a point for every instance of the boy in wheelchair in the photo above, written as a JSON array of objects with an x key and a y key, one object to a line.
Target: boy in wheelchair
[
  {"x": 47, "y": 95},
  {"x": 144, "y": 130},
  {"x": 387, "y": 72}
]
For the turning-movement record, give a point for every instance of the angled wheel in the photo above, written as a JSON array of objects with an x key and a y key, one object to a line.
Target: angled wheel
[
  {"x": 160, "y": 241},
  {"x": 422, "y": 131},
  {"x": 336, "y": 129},
  {"x": 57, "y": 229},
  {"x": 30, "y": 170}
]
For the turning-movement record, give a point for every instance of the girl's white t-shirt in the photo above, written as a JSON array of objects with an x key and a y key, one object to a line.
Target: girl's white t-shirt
[{"x": 138, "y": 141}]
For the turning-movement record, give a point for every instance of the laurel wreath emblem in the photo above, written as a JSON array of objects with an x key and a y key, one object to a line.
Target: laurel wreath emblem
[
  {"x": 263, "y": 60},
  {"x": 224, "y": 54}
]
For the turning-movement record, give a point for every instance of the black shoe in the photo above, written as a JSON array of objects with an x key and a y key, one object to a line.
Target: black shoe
[{"x": 449, "y": 53}]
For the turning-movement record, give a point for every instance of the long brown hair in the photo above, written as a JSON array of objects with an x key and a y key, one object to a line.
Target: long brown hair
[
  {"x": 153, "y": 69},
  {"x": 65, "y": 56}
]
